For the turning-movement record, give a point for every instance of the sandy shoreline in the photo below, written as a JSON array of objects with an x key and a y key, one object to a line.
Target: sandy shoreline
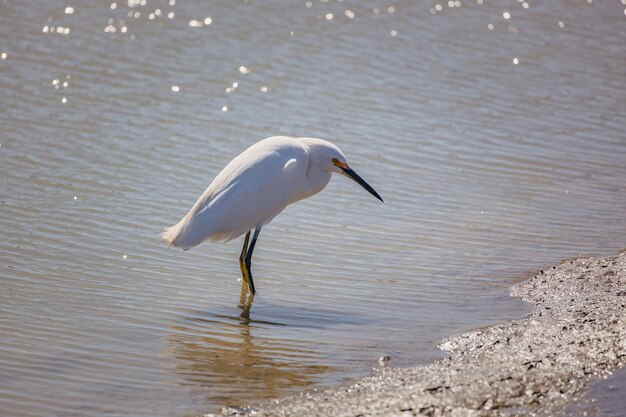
[{"x": 575, "y": 334}]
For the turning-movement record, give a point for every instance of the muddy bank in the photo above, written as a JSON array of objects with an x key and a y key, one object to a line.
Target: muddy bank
[{"x": 576, "y": 334}]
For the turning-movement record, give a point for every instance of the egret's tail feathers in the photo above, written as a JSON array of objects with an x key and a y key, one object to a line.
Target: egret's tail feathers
[{"x": 170, "y": 234}]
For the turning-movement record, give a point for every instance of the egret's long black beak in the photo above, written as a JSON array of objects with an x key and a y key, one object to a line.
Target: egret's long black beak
[{"x": 350, "y": 173}]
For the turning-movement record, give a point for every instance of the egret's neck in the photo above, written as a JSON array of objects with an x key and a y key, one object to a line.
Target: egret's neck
[
  {"x": 318, "y": 179},
  {"x": 314, "y": 182},
  {"x": 317, "y": 173}
]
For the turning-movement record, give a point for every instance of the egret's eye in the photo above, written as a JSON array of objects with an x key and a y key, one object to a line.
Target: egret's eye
[{"x": 335, "y": 161}]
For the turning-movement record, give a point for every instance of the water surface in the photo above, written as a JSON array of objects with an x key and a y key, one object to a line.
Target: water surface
[
  {"x": 494, "y": 132},
  {"x": 605, "y": 398}
]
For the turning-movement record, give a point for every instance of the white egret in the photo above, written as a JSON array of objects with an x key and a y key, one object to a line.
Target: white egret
[{"x": 257, "y": 185}]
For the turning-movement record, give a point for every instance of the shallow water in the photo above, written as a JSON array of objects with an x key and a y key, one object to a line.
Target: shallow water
[
  {"x": 499, "y": 150},
  {"x": 605, "y": 398}
]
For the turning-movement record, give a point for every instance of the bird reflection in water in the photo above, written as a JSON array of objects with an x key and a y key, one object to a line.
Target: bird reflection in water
[{"x": 220, "y": 355}]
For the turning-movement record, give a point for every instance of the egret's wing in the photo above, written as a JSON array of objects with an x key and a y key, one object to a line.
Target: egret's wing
[
  {"x": 254, "y": 196},
  {"x": 240, "y": 185},
  {"x": 248, "y": 193}
]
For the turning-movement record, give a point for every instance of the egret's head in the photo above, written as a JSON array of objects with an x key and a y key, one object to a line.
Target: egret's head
[
  {"x": 344, "y": 169},
  {"x": 330, "y": 158}
]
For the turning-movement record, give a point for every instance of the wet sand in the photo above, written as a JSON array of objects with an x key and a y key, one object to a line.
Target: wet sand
[{"x": 539, "y": 364}]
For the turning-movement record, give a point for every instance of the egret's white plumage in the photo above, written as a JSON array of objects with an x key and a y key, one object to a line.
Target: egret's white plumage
[{"x": 256, "y": 186}]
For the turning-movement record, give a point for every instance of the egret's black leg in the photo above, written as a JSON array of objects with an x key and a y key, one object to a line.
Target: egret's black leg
[
  {"x": 245, "y": 269},
  {"x": 248, "y": 258},
  {"x": 245, "y": 248}
]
